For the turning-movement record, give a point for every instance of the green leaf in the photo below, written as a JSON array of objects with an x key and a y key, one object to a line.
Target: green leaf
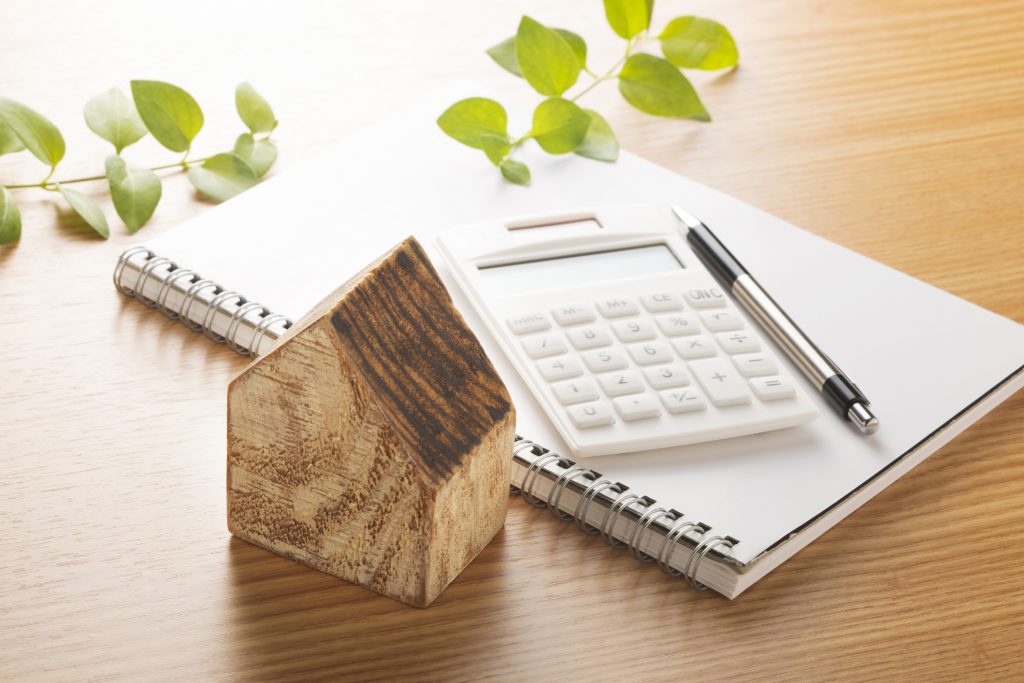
[
  {"x": 34, "y": 131},
  {"x": 504, "y": 53},
  {"x": 87, "y": 209},
  {"x": 10, "y": 218},
  {"x": 171, "y": 114},
  {"x": 135, "y": 192},
  {"x": 254, "y": 111},
  {"x": 472, "y": 120},
  {"x": 559, "y": 126},
  {"x": 222, "y": 176},
  {"x": 112, "y": 116},
  {"x": 654, "y": 86},
  {"x": 515, "y": 171},
  {"x": 548, "y": 62},
  {"x": 259, "y": 154},
  {"x": 628, "y": 17},
  {"x": 576, "y": 42},
  {"x": 496, "y": 147},
  {"x": 600, "y": 142},
  {"x": 9, "y": 142},
  {"x": 697, "y": 43}
]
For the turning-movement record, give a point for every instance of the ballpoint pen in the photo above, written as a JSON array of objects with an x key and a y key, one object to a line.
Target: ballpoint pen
[{"x": 842, "y": 394}]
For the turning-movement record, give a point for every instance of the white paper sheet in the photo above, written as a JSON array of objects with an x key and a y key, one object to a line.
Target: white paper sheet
[{"x": 920, "y": 354}]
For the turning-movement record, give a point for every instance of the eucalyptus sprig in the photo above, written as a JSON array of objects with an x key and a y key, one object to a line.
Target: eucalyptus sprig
[
  {"x": 551, "y": 60},
  {"x": 172, "y": 117}
]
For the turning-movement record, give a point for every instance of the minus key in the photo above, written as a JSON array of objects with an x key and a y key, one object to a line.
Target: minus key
[{"x": 755, "y": 364}]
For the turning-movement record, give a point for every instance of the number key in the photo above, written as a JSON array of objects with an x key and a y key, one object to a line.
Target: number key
[
  {"x": 576, "y": 391},
  {"x": 621, "y": 383},
  {"x": 559, "y": 368},
  {"x": 590, "y": 415},
  {"x": 650, "y": 353},
  {"x": 633, "y": 330},
  {"x": 667, "y": 376},
  {"x": 544, "y": 345},
  {"x": 588, "y": 337},
  {"x": 605, "y": 360}
]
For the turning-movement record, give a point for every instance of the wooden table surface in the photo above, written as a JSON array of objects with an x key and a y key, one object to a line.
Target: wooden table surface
[{"x": 894, "y": 127}]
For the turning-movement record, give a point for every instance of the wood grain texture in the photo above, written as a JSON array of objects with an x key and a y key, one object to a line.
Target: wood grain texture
[
  {"x": 893, "y": 127},
  {"x": 373, "y": 442}
]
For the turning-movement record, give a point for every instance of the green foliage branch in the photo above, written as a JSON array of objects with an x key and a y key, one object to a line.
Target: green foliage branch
[
  {"x": 168, "y": 113},
  {"x": 552, "y": 60}
]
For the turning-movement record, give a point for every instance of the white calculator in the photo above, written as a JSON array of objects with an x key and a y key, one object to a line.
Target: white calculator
[{"x": 620, "y": 332}]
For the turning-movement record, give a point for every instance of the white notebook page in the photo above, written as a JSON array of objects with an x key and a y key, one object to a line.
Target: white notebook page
[{"x": 920, "y": 354}]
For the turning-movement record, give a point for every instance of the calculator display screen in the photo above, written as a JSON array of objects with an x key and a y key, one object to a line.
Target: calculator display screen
[{"x": 578, "y": 269}]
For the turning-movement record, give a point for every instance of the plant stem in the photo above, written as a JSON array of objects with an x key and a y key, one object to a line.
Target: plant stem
[
  {"x": 608, "y": 74},
  {"x": 47, "y": 185}
]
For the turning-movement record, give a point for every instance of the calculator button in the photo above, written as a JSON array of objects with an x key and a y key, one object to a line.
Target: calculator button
[
  {"x": 738, "y": 342},
  {"x": 722, "y": 321},
  {"x": 559, "y": 368},
  {"x": 573, "y": 314},
  {"x": 700, "y": 346},
  {"x": 634, "y": 330},
  {"x": 755, "y": 364},
  {"x": 678, "y": 324},
  {"x": 667, "y": 376},
  {"x": 721, "y": 381},
  {"x": 682, "y": 400},
  {"x": 531, "y": 322},
  {"x": 576, "y": 391},
  {"x": 616, "y": 308},
  {"x": 605, "y": 360},
  {"x": 589, "y": 337},
  {"x": 591, "y": 415},
  {"x": 650, "y": 353},
  {"x": 705, "y": 297},
  {"x": 639, "y": 407},
  {"x": 621, "y": 383},
  {"x": 773, "y": 388},
  {"x": 544, "y": 345},
  {"x": 661, "y": 301}
]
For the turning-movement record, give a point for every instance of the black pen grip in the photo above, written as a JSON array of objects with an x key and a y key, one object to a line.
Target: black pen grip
[
  {"x": 841, "y": 393},
  {"x": 714, "y": 254}
]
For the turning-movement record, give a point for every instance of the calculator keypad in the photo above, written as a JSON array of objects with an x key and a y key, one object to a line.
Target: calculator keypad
[{"x": 662, "y": 355}]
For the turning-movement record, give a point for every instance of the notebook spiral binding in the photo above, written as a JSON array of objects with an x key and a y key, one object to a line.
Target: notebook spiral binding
[
  {"x": 201, "y": 305},
  {"x": 697, "y": 538}
]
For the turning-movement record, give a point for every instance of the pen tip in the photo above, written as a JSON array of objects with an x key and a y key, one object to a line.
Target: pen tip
[{"x": 686, "y": 218}]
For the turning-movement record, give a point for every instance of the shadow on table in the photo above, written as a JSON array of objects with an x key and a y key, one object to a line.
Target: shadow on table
[{"x": 285, "y": 619}]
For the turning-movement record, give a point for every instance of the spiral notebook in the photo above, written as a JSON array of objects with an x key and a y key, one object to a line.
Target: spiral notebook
[{"x": 721, "y": 514}]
